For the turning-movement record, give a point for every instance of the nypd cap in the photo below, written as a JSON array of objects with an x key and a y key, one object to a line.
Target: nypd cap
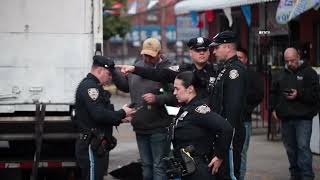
[
  {"x": 199, "y": 43},
  {"x": 103, "y": 62},
  {"x": 224, "y": 37}
]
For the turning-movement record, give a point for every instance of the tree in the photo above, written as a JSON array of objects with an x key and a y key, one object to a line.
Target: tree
[{"x": 113, "y": 22}]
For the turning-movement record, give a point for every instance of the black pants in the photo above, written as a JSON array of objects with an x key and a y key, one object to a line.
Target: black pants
[
  {"x": 225, "y": 173},
  {"x": 238, "y": 141},
  {"x": 92, "y": 167}
]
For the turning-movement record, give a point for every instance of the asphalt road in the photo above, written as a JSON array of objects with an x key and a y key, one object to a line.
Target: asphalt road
[{"x": 267, "y": 160}]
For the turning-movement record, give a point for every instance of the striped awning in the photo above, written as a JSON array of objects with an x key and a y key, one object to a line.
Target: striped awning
[{"x": 186, "y": 6}]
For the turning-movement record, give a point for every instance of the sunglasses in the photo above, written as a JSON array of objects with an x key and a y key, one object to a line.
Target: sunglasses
[{"x": 200, "y": 50}]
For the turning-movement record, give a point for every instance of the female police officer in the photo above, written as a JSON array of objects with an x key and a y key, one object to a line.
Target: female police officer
[{"x": 197, "y": 128}]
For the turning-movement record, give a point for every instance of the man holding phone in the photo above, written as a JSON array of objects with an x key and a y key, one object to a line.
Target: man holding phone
[
  {"x": 151, "y": 119},
  {"x": 294, "y": 97}
]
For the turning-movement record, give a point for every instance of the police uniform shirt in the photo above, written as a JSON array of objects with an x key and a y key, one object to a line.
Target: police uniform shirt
[
  {"x": 93, "y": 107},
  {"x": 197, "y": 125},
  {"x": 230, "y": 92}
]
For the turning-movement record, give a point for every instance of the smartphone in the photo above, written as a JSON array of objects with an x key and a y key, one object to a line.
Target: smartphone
[{"x": 132, "y": 105}]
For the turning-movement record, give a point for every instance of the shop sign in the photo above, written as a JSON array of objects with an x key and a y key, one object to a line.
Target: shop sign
[{"x": 284, "y": 10}]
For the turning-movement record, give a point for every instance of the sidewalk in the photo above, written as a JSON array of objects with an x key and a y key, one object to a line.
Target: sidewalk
[{"x": 268, "y": 160}]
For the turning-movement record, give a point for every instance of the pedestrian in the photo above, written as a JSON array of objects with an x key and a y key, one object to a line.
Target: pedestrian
[
  {"x": 151, "y": 121},
  {"x": 254, "y": 97},
  {"x": 199, "y": 53},
  {"x": 94, "y": 118},
  {"x": 195, "y": 130},
  {"x": 294, "y": 95},
  {"x": 229, "y": 96}
]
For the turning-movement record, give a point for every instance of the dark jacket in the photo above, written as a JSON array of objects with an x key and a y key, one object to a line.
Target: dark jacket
[
  {"x": 255, "y": 92},
  {"x": 93, "y": 107},
  {"x": 198, "y": 126},
  {"x": 151, "y": 118},
  {"x": 306, "y": 81}
]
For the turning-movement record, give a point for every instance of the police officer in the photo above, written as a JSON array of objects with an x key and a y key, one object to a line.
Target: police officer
[
  {"x": 195, "y": 117},
  {"x": 230, "y": 94},
  {"x": 95, "y": 117},
  {"x": 199, "y": 53}
]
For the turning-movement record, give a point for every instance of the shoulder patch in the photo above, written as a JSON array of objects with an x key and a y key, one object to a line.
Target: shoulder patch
[
  {"x": 233, "y": 74},
  {"x": 203, "y": 109},
  {"x": 93, "y": 93},
  {"x": 175, "y": 68}
]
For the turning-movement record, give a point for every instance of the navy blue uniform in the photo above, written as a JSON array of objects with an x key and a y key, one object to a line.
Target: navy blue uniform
[
  {"x": 196, "y": 125},
  {"x": 93, "y": 111},
  {"x": 230, "y": 102}
]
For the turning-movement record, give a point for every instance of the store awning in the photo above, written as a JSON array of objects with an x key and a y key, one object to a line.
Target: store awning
[{"x": 186, "y": 6}]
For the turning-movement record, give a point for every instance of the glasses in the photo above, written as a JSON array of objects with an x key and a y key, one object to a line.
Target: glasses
[{"x": 201, "y": 50}]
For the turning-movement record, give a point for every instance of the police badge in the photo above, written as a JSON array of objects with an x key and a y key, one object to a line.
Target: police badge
[
  {"x": 203, "y": 109},
  {"x": 212, "y": 79},
  {"x": 233, "y": 74},
  {"x": 200, "y": 40},
  {"x": 93, "y": 93}
]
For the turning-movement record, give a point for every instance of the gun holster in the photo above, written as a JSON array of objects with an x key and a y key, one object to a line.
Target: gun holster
[
  {"x": 188, "y": 160},
  {"x": 183, "y": 166},
  {"x": 100, "y": 144}
]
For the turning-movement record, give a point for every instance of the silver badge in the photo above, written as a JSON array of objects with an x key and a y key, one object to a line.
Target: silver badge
[
  {"x": 174, "y": 68},
  {"x": 233, "y": 74},
  {"x": 180, "y": 118},
  {"x": 200, "y": 40},
  {"x": 203, "y": 109},
  {"x": 212, "y": 79},
  {"x": 93, "y": 93}
]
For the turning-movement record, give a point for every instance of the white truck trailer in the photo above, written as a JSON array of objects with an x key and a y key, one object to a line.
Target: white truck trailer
[{"x": 46, "y": 48}]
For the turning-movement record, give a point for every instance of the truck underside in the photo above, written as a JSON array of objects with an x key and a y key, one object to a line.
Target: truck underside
[{"x": 36, "y": 145}]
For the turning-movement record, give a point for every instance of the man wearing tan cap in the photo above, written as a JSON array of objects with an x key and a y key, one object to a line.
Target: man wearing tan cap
[
  {"x": 151, "y": 47},
  {"x": 151, "y": 119}
]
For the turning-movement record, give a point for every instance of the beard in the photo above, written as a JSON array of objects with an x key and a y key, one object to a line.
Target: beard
[{"x": 221, "y": 60}]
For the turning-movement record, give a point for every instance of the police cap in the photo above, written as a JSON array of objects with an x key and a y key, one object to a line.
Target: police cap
[
  {"x": 224, "y": 37},
  {"x": 199, "y": 43},
  {"x": 103, "y": 62}
]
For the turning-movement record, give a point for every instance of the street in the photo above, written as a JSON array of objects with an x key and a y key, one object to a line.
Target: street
[{"x": 267, "y": 160}]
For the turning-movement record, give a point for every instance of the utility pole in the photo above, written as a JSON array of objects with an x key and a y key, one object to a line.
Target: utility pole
[{"x": 163, "y": 9}]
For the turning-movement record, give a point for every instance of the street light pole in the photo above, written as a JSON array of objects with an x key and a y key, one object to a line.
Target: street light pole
[{"x": 163, "y": 9}]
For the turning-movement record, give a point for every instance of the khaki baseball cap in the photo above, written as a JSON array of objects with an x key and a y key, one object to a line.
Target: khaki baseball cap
[{"x": 151, "y": 47}]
